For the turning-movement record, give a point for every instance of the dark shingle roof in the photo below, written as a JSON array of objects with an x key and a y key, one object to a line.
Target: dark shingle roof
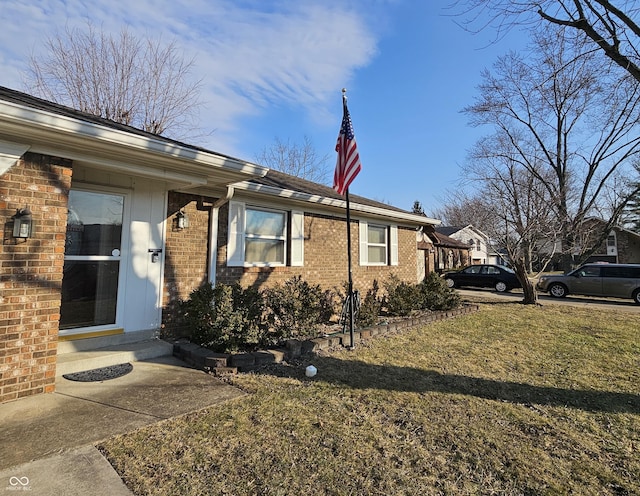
[
  {"x": 281, "y": 180},
  {"x": 441, "y": 239},
  {"x": 33, "y": 102},
  {"x": 448, "y": 230}
]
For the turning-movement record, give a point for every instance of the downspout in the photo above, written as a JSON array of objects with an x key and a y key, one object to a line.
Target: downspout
[{"x": 213, "y": 229}]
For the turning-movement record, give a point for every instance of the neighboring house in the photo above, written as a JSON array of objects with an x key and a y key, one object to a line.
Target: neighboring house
[
  {"x": 481, "y": 251},
  {"x": 445, "y": 253},
  {"x": 126, "y": 224},
  {"x": 621, "y": 245}
]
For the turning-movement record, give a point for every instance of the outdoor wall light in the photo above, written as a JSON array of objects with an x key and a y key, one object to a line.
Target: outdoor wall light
[
  {"x": 182, "y": 220},
  {"x": 23, "y": 223}
]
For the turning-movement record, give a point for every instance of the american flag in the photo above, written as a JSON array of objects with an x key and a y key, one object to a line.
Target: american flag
[{"x": 348, "y": 164}]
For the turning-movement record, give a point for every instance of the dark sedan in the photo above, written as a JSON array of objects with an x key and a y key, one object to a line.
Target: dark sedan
[{"x": 483, "y": 276}]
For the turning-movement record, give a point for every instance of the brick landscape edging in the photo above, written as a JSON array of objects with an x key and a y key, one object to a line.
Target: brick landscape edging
[{"x": 224, "y": 363}]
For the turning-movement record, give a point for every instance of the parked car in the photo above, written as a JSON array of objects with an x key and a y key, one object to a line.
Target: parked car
[
  {"x": 483, "y": 276},
  {"x": 595, "y": 279}
]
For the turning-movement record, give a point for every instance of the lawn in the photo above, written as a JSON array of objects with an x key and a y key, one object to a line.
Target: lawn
[{"x": 510, "y": 400}]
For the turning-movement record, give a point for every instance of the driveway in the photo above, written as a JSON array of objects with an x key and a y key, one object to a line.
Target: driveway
[{"x": 483, "y": 295}]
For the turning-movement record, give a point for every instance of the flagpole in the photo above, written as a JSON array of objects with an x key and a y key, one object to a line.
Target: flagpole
[
  {"x": 347, "y": 167},
  {"x": 350, "y": 289}
]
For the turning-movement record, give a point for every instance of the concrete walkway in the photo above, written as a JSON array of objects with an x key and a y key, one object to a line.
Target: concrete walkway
[{"x": 47, "y": 441}]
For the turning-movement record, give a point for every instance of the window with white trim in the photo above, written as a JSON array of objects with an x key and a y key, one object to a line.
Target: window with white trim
[
  {"x": 265, "y": 235},
  {"x": 262, "y": 236},
  {"x": 378, "y": 244},
  {"x": 377, "y": 247}
]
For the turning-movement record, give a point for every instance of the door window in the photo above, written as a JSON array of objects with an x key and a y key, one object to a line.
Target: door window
[{"x": 92, "y": 259}]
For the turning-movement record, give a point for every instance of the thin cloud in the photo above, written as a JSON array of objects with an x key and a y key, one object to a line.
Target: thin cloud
[{"x": 251, "y": 55}]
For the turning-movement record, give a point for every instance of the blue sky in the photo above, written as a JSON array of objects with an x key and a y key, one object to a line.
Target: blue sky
[{"x": 275, "y": 69}]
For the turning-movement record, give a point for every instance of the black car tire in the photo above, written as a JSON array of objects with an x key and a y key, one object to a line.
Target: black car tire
[
  {"x": 558, "y": 290},
  {"x": 636, "y": 296},
  {"x": 501, "y": 286},
  {"x": 450, "y": 282}
]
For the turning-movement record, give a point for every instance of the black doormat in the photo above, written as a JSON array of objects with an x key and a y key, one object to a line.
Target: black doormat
[{"x": 101, "y": 374}]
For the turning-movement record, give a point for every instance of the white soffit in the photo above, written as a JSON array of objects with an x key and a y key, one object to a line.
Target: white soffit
[{"x": 10, "y": 153}]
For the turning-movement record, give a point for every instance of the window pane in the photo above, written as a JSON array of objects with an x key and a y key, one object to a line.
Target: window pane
[
  {"x": 378, "y": 254},
  {"x": 377, "y": 235},
  {"x": 262, "y": 223},
  {"x": 94, "y": 223},
  {"x": 264, "y": 250},
  {"x": 89, "y": 291},
  {"x": 590, "y": 272}
]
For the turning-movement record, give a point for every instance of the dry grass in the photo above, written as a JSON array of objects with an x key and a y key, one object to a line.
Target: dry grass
[{"x": 511, "y": 400}]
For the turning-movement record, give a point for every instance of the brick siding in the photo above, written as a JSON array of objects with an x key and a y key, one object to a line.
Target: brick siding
[
  {"x": 325, "y": 257},
  {"x": 186, "y": 264},
  {"x": 31, "y": 274}
]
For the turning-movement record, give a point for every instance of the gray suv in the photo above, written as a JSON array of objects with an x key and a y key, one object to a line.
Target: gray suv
[{"x": 597, "y": 279}]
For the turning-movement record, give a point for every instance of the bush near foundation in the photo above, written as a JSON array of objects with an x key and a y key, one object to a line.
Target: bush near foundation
[
  {"x": 229, "y": 318},
  {"x": 402, "y": 298},
  {"x": 436, "y": 295},
  {"x": 370, "y": 307},
  {"x": 431, "y": 294},
  {"x": 224, "y": 318},
  {"x": 293, "y": 309}
]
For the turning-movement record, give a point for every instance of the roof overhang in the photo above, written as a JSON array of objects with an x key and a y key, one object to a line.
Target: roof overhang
[
  {"x": 106, "y": 148},
  {"x": 259, "y": 191}
]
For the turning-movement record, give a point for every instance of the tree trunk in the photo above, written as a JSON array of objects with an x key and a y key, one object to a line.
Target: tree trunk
[{"x": 530, "y": 293}]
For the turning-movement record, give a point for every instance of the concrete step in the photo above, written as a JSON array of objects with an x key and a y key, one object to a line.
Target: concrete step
[
  {"x": 79, "y": 361},
  {"x": 80, "y": 343}
]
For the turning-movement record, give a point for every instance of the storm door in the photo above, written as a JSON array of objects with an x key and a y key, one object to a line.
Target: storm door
[{"x": 92, "y": 261}]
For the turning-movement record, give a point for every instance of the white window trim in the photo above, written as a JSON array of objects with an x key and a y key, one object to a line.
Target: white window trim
[
  {"x": 297, "y": 238},
  {"x": 391, "y": 244},
  {"x": 236, "y": 237}
]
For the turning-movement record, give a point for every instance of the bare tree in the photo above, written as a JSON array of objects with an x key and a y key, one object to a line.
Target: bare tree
[
  {"x": 141, "y": 83},
  {"x": 561, "y": 121},
  {"x": 517, "y": 217},
  {"x": 300, "y": 160},
  {"x": 460, "y": 208},
  {"x": 612, "y": 28}
]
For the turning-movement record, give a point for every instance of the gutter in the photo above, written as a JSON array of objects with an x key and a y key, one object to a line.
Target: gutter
[
  {"x": 118, "y": 149},
  {"x": 306, "y": 198}
]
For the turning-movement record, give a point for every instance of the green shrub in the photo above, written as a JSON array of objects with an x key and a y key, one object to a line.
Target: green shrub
[
  {"x": 436, "y": 295},
  {"x": 402, "y": 298},
  {"x": 220, "y": 318},
  {"x": 293, "y": 309},
  {"x": 370, "y": 307}
]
